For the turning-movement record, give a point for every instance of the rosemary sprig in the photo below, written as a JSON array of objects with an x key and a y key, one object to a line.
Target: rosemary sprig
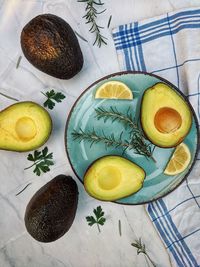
[
  {"x": 115, "y": 115},
  {"x": 94, "y": 138},
  {"x": 137, "y": 140},
  {"x": 142, "y": 249},
  {"x": 90, "y": 16}
]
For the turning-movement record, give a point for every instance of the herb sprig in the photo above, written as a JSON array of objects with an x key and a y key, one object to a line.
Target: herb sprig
[
  {"x": 91, "y": 16},
  {"x": 136, "y": 141},
  {"x": 142, "y": 249},
  {"x": 52, "y": 97},
  {"x": 115, "y": 115},
  {"x": 99, "y": 218},
  {"x": 42, "y": 161}
]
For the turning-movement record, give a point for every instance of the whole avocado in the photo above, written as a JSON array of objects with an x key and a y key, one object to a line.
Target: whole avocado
[
  {"x": 49, "y": 44},
  {"x": 51, "y": 211}
]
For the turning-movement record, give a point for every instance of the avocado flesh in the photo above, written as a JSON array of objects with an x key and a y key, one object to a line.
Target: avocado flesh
[
  {"x": 51, "y": 211},
  {"x": 49, "y": 43},
  {"x": 24, "y": 126},
  {"x": 165, "y": 116},
  {"x": 113, "y": 177}
]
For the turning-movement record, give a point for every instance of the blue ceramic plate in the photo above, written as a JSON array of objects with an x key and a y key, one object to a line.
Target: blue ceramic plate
[{"x": 81, "y": 155}]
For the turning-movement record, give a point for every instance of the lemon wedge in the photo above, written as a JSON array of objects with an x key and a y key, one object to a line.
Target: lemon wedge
[
  {"x": 179, "y": 161},
  {"x": 114, "y": 90}
]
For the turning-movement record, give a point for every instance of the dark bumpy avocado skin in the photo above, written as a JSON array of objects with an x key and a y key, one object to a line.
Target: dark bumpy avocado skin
[
  {"x": 49, "y": 43},
  {"x": 51, "y": 211}
]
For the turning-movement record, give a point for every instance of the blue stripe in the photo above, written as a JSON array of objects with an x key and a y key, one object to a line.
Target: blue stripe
[
  {"x": 163, "y": 21},
  {"x": 127, "y": 62},
  {"x": 194, "y": 94},
  {"x": 152, "y": 211},
  {"x": 180, "y": 65},
  {"x": 132, "y": 43},
  {"x": 192, "y": 194},
  {"x": 184, "y": 237},
  {"x": 129, "y": 33},
  {"x": 140, "y": 51},
  {"x": 174, "y": 51},
  {"x": 180, "y": 238},
  {"x": 177, "y": 15},
  {"x": 135, "y": 51},
  {"x": 174, "y": 232},
  {"x": 131, "y": 57},
  {"x": 161, "y": 27},
  {"x": 182, "y": 202}
]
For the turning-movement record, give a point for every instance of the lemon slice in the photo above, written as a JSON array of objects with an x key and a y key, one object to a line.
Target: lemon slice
[
  {"x": 179, "y": 160},
  {"x": 114, "y": 90}
]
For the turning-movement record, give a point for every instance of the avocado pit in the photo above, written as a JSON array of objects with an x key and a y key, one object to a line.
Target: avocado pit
[
  {"x": 109, "y": 177},
  {"x": 25, "y": 128},
  {"x": 167, "y": 120}
]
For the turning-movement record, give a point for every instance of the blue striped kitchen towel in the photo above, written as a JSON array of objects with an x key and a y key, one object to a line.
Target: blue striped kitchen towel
[{"x": 169, "y": 45}]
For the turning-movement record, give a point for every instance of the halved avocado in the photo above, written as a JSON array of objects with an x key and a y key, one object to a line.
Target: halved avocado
[
  {"x": 165, "y": 116},
  {"x": 49, "y": 43},
  {"x": 24, "y": 126},
  {"x": 113, "y": 177}
]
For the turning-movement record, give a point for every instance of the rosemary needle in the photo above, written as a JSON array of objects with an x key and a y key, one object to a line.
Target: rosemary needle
[
  {"x": 80, "y": 36},
  {"x": 23, "y": 189},
  {"x": 120, "y": 228},
  {"x": 109, "y": 21},
  {"x": 18, "y": 62}
]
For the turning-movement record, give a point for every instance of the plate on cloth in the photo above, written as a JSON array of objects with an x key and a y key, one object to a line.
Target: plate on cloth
[{"x": 82, "y": 154}]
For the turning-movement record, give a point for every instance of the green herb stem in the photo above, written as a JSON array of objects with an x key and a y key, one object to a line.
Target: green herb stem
[
  {"x": 120, "y": 228},
  {"x": 98, "y": 228},
  {"x": 9, "y": 97},
  {"x": 109, "y": 21},
  {"x": 23, "y": 189},
  {"x": 148, "y": 257},
  {"x": 33, "y": 164},
  {"x": 91, "y": 16},
  {"x": 109, "y": 141},
  {"x": 80, "y": 36}
]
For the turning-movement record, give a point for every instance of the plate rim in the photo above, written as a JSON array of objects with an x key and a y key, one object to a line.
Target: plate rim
[{"x": 120, "y": 73}]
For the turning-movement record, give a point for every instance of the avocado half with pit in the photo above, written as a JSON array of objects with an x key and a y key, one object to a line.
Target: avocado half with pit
[
  {"x": 24, "y": 126},
  {"x": 49, "y": 43},
  {"x": 165, "y": 116},
  {"x": 113, "y": 177}
]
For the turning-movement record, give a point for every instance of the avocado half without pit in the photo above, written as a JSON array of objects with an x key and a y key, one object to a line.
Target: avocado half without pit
[
  {"x": 165, "y": 116},
  {"x": 24, "y": 126},
  {"x": 113, "y": 177},
  {"x": 49, "y": 43}
]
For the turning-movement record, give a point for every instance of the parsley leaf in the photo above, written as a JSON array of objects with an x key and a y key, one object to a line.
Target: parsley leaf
[
  {"x": 52, "y": 98},
  {"x": 42, "y": 161},
  {"x": 98, "y": 219}
]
